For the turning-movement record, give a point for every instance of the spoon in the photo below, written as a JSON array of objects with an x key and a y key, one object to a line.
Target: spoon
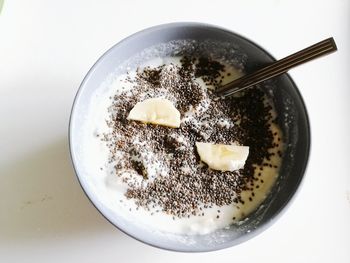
[{"x": 278, "y": 67}]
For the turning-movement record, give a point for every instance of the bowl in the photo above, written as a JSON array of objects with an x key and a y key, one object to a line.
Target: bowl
[{"x": 187, "y": 38}]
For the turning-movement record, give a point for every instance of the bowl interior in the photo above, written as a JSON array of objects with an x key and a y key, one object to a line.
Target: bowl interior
[{"x": 186, "y": 39}]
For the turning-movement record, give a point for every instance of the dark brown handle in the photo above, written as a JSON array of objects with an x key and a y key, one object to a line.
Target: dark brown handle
[{"x": 279, "y": 67}]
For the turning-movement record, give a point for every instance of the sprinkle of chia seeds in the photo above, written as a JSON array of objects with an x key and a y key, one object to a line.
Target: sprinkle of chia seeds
[{"x": 143, "y": 148}]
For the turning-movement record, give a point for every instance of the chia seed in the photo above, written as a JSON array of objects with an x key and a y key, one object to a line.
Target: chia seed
[{"x": 183, "y": 185}]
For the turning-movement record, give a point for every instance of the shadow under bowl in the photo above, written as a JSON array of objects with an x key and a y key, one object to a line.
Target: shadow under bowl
[{"x": 178, "y": 39}]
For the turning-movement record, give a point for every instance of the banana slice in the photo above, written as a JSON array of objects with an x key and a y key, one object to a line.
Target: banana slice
[
  {"x": 223, "y": 157},
  {"x": 156, "y": 111}
]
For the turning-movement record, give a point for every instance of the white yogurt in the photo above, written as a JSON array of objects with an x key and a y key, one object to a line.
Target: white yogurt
[{"x": 110, "y": 189}]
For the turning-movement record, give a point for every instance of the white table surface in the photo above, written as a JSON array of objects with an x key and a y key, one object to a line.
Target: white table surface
[{"x": 47, "y": 47}]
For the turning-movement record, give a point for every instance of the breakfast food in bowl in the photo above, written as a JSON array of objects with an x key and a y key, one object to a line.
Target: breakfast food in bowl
[
  {"x": 170, "y": 162},
  {"x": 178, "y": 156}
]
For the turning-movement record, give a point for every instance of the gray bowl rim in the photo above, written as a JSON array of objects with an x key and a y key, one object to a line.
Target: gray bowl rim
[{"x": 284, "y": 205}]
